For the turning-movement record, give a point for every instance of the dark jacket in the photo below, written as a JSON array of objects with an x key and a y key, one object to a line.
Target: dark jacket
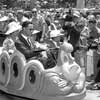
[
  {"x": 74, "y": 37},
  {"x": 22, "y": 45}
]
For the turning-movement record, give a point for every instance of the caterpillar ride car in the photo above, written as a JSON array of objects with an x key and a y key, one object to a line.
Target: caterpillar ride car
[{"x": 29, "y": 78}]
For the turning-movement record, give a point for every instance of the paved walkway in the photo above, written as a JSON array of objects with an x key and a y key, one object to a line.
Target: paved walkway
[{"x": 90, "y": 95}]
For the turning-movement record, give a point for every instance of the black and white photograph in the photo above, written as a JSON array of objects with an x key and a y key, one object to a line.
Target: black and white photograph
[{"x": 49, "y": 49}]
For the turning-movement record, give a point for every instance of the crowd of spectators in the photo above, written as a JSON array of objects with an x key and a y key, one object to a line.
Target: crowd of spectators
[{"x": 51, "y": 27}]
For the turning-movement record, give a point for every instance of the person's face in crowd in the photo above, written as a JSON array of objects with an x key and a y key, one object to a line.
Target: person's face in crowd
[
  {"x": 98, "y": 17},
  {"x": 29, "y": 30},
  {"x": 80, "y": 27},
  {"x": 19, "y": 15},
  {"x": 76, "y": 19},
  {"x": 4, "y": 25},
  {"x": 91, "y": 24},
  {"x": 58, "y": 25},
  {"x": 34, "y": 13},
  {"x": 56, "y": 39}
]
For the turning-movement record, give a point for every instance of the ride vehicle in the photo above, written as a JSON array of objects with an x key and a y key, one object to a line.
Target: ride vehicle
[{"x": 30, "y": 79}]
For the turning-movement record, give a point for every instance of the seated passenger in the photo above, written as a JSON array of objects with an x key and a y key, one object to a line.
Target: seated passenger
[
  {"x": 24, "y": 43},
  {"x": 11, "y": 36},
  {"x": 13, "y": 30},
  {"x": 55, "y": 36},
  {"x": 53, "y": 44}
]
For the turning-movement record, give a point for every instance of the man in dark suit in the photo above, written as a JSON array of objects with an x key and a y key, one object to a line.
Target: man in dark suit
[{"x": 23, "y": 44}]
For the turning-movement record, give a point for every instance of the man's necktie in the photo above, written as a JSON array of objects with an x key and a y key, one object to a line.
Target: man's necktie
[{"x": 29, "y": 42}]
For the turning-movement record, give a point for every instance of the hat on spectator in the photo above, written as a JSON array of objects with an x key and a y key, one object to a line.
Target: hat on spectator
[
  {"x": 5, "y": 18},
  {"x": 55, "y": 33},
  {"x": 34, "y": 10},
  {"x": 12, "y": 27},
  {"x": 91, "y": 18},
  {"x": 76, "y": 14}
]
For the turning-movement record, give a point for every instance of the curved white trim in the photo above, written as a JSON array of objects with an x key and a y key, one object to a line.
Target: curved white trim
[
  {"x": 5, "y": 53},
  {"x": 20, "y": 55},
  {"x": 21, "y": 58},
  {"x": 30, "y": 63}
]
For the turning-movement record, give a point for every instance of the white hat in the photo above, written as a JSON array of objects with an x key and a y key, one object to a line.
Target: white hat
[
  {"x": 55, "y": 33},
  {"x": 76, "y": 14},
  {"x": 5, "y": 18},
  {"x": 12, "y": 27},
  {"x": 56, "y": 21}
]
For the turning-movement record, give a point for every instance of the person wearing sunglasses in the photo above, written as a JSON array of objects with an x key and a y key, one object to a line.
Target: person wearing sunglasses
[{"x": 94, "y": 35}]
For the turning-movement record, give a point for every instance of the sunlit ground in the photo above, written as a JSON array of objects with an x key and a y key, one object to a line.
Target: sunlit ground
[{"x": 90, "y": 95}]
